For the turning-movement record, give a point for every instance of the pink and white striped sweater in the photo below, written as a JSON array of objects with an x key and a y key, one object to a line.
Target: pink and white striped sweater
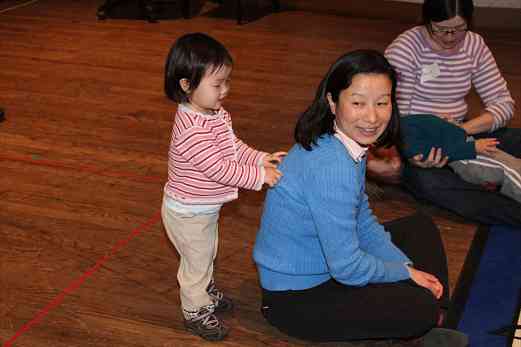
[
  {"x": 447, "y": 78},
  {"x": 207, "y": 163}
]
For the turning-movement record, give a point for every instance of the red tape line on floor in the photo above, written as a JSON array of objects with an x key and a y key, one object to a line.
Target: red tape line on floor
[{"x": 76, "y": 284}]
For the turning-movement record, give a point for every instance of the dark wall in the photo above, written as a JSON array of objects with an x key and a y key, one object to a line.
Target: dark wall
[{"x": 403, "y": 11}]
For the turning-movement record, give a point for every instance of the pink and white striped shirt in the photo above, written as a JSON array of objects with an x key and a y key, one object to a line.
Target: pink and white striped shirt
[
  {"x": 207, "y": 163},
  {"x": 437, "y": 83}
]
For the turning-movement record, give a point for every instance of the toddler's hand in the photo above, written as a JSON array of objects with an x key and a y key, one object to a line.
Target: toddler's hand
[
  {"x": 486, "y": 146},
  {"x": 274, "y": 159},
  {"x": 272, "y": 176}
]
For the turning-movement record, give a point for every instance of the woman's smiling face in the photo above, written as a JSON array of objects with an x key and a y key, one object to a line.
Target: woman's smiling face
[{"x": 363, "y": 110}]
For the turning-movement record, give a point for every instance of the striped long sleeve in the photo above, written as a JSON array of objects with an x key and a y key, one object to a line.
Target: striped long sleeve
[
  {"x": 204, "y": 164},
  {"x": 434, "y": 83},
  {"x": 247, "y": 155},
  {"x": 491, "y": 86},
  {"x": 198, "y": 146}
]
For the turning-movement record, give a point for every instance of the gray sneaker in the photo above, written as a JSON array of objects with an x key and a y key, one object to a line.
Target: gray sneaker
[
  {"x": 204, "y": 323},
  {"x": 441, "y": 337},
  {"x": 222, "y": 303}
]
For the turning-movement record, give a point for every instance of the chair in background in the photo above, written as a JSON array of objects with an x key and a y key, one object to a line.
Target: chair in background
[
  {"x": 240, "y": 9},
  {"x": 151, "y": 10}
]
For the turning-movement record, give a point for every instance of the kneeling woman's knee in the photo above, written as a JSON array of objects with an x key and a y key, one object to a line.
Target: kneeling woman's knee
[{"x": 426, "y": 312}]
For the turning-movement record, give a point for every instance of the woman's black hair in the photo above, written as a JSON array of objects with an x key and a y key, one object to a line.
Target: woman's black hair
[
  {"x": 190, "y": 57},
  {"x": 441, "y": 10},
  {"x": 318, "y": 119}
]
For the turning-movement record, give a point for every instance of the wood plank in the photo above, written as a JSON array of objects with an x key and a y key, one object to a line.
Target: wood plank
[{"x": 83, "y": 162}]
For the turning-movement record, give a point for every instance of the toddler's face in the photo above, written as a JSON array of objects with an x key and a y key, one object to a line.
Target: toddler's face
[
  {"x": 213, "y": 88},
  {"x": 363, "y": 110}
]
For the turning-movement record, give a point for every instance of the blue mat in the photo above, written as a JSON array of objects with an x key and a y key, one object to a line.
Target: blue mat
[{"x": 487, "y": 298}]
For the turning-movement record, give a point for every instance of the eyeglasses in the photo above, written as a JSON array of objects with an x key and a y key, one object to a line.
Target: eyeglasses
[{"x": 448, "y": 31}]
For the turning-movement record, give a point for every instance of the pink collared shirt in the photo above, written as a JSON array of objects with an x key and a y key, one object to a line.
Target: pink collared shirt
[{"x": 356, "y": 151}]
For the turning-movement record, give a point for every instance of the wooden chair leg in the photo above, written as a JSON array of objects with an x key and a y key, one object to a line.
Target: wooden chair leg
[
  {"x": 102, "y": 11},
  {"x": 148, "y": 11},
  {"x": 276, "y": 5},
  {"x": 186, "y": 9},
  {"x": 239, "y": 12}
]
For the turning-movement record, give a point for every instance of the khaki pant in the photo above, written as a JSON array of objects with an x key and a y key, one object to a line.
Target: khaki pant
[{"x": 195, "y": 236}]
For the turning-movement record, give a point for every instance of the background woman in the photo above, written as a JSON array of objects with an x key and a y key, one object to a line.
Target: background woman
[{"x": 437, "y": 64}]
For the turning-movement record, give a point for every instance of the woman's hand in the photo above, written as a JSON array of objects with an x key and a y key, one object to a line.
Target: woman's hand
[
  {"x": 486, "y": 146},
  {"x": 273, "y": 159},
  {"x": 426, "y": 280},
  {"x": 272, "y": 176},
  {"x": 435, "y": 159}
]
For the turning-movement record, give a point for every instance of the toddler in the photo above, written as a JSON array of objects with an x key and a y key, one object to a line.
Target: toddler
[{"x": 207, "y": 164}]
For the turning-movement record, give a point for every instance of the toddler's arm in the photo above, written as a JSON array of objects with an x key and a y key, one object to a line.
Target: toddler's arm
[
  {"x": 198, "y": 148},
  {"x": 272, "y": 176},
  {"x": 247, "y": 155}
]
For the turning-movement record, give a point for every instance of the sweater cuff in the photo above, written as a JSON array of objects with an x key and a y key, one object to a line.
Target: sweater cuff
[
  {"x": 260, "y": 182},
  {"x": 261, "y": 159},
  {"x": 408, "y": 266},
  {"x": 397, "y": 272}
]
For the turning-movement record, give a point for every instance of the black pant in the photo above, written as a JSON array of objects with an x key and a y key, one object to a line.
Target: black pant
[
  {"x": 446, "y": 189},
  {"x": 336, "y": 312}
]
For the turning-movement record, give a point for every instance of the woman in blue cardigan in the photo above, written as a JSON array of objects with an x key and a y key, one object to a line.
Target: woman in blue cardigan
[{"x": 328, "y": 270}]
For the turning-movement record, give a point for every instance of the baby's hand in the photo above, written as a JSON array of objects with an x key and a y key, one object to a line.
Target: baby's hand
[
  {"x": 272, "y": 176},
  {"x": 274, "y": 159},
  {"x": 486, "y": 146}
]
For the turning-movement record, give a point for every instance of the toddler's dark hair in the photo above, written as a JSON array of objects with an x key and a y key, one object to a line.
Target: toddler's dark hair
[{"x": 190, "y": 57}]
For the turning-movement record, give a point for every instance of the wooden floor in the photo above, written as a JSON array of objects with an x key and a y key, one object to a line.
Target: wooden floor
[{"x": 84, "y": 260}]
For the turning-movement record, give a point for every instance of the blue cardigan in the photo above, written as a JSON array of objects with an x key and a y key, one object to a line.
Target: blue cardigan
[{"x": 317, "y": 225}]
